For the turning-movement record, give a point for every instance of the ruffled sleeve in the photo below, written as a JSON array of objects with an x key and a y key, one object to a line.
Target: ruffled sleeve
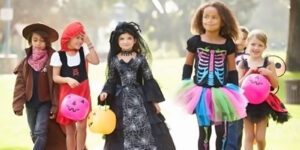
[
  {"x": 192, "y": 43},
  {"x": 110, "y": 84},
  {"x": 150, "y": 87},
  {"x": 231, "y": 47}
]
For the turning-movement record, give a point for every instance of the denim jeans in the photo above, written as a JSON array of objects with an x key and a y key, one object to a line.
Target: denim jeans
[
  {"x": 37, "y": 118},
  {"x": 234, "y": 137}
]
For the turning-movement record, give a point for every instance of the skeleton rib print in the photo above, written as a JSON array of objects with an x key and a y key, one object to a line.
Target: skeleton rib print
[{"x": 210, "y": 65}]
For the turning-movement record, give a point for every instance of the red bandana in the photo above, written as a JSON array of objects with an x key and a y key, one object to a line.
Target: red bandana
[
  {"x": 38, "y": 59},
  {"x": 72, "y": 30}
]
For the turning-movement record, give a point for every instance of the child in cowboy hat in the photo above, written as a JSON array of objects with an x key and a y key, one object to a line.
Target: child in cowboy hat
[{"x": 34, "y": 87}]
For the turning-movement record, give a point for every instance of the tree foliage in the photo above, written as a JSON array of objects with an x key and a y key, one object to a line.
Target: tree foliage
[{"x": 169, "y": 28}]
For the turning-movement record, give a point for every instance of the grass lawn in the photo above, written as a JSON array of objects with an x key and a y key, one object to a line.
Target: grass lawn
[{"x": 15, "y": 133}]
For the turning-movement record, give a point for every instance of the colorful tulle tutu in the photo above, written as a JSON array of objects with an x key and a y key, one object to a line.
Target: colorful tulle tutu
[{"x": 212, "y": 105}]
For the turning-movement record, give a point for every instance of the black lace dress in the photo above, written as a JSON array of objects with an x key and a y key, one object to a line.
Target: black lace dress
[{"x": 132, "y": 92}]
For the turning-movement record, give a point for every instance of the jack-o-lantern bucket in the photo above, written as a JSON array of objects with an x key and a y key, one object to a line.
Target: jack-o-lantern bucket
[
  {"x": 75, "y": 107},
  {"x": 256, "y": 88},
  {"x": 102, "y": 120}
]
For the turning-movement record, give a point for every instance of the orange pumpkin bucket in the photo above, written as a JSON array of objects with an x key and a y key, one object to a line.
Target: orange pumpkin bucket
[{"x": 102, "y": 120}]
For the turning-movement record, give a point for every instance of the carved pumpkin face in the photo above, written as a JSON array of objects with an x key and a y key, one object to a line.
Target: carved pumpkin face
[
  {"x": 256, "y": 88},
  {"x": 102, "y": 120},
  {"x": 75, "y": 107}
]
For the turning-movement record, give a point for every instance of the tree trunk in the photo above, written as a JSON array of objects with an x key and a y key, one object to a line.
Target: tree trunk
[
  {"x": 292, "y": 91},
  {"x": 293, "y": 51}
]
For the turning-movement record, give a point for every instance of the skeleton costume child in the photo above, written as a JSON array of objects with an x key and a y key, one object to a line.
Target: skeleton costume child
[{"x": 213, "y": 95}]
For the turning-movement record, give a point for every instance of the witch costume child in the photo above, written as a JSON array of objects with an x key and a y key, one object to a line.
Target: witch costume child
[{"x": 133, "y": 94}]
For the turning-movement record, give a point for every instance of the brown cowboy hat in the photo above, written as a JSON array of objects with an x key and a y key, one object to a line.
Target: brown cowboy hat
[{"x": 27, "y": 31}]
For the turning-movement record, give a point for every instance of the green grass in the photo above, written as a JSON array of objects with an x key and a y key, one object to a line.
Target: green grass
[
  {"x": 15, "y": 133},
  {"x": 14, "y": 130},
  {"x": 285, "y": 136},
  {"x": 292, "y": 75}
]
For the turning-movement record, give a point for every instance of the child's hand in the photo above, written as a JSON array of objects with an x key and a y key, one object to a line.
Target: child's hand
[
  {"x": 72, "y": 82},
  {"x": 264, "y": 71},
  {"x": 86, "y": 39},
  {"x": 53, "y": 111},
  {"x": 157, "y": 107},
  {"x": 52, "y": 116},
  {"x": 250, "y": 71},
  {"x": 103, "y": 96},
  {"x": 19, "y": 113}
]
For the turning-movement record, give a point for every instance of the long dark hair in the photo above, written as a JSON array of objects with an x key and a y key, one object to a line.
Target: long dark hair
[{"x": 133, "y": 29}]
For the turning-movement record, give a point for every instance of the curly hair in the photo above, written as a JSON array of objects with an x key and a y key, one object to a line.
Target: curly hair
[{"x": 229, "y": 28}]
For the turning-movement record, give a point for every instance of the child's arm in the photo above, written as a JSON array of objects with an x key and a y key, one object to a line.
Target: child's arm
[
  {"x": 189, "y": 60},
  {"x": 61, "y": 80},
  {"x": 54, "y": 101},
  {"x": 191, "y": 47},
  {"x": 92, "y": 57},
  {"x": 242, "y": 72},
  {"x": 110, "y": 84},
  {"x": 19, "y": 98},
  {"x": 270, "y": 73},
  {"x": 231, "y": 62},
  {"x": 188, "y": 66},
  {"x": 102, "y": 96},
  {"x": 157, "y": 107},
  {"x": 151, "y": 88},
  {"x": 232, "y": 72}
]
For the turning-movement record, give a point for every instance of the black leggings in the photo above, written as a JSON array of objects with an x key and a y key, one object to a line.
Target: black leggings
[{"x": 205, "y": 133}]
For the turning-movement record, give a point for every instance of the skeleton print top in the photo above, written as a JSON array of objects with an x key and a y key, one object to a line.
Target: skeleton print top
[{"x": 210, "y": 61}]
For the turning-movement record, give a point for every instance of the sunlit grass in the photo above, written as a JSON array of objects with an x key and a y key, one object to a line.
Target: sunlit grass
[{"x": 15, "y": 133}]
